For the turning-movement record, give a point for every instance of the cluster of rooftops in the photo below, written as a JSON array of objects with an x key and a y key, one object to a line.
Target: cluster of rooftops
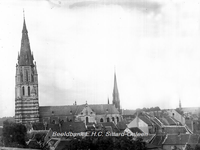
[{"x": 169, "y": 131}]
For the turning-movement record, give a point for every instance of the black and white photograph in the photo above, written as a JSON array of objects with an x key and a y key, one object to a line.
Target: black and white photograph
[{"x": 100, "y": 75}]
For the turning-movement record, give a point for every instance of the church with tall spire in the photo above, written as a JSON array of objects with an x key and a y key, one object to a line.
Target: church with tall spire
[
  {"x": 26, "y": 83},
  {"x": 27, "y": 109}
]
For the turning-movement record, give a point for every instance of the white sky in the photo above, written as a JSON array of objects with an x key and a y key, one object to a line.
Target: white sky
[{"x": 154, "y": 46}]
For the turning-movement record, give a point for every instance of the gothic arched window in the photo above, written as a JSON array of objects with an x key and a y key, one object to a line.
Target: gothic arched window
[
  {"x": 117, "y": 119},
  {"x": 27, "y": 75},
  {"x": 29, "y": 91},
  {"x": 108, "y": 119},
  {"x": 32, "y": 78},
  {"x": 113, "y": 119},
  {"x": 101, "y": 120},
  {"x": 21, "y": 77},
  {"x": 87, "y": 119},
  {"x": 23, "y": 92}
]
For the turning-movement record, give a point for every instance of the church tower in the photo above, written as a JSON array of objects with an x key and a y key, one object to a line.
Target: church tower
[
  {"x": 180, "y": 104},
  {"x": 116, "y": 100},
  {"x": 26, "y": 83}
]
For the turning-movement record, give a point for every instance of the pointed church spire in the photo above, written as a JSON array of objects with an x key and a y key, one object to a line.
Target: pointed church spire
[
  {"x": 116, "y": 100},
  {"x": 25, "y": 58},
  {"x": 180, "y": 104},
  {"x": 115, "y": 90},
  {"x": 24, "y": 25}
]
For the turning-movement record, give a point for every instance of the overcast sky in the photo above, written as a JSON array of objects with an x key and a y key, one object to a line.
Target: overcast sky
[{"x": 153, "y": 45}]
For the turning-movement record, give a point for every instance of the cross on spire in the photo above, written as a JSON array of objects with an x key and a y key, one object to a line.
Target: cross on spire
[{"x": 23, "y": 14}]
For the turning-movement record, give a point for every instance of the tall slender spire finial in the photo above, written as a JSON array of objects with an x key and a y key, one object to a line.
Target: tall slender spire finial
[
  {"x": 24, "y": 26},
  {"x": 180, "y": 104},
  {"x": 23, "y": 14}
]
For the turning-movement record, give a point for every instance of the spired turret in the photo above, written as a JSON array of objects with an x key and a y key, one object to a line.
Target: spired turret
[{"x": 26, "y": 85}]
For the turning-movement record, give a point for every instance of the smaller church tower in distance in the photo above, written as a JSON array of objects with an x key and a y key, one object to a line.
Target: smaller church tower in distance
[
  {"x": 180, "y": 107},
  {"x": 26, "y": 83},
  {"x": 116, "y": 100}
]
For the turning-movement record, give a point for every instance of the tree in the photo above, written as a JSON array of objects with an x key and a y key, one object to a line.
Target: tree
[
  {"x": 14, "y": 134},
  {"x": 197, "y": 147},
  {"x": 107, "y": 143}
]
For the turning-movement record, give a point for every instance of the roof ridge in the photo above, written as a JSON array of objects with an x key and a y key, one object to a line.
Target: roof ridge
[
  {"x": 165, "y": 139},
  {"x": 62, "y": 105},
  {"x": 188, "y": 129},
  {"x": 173, "y": 119},
  {"x": 159, "y": 121}
]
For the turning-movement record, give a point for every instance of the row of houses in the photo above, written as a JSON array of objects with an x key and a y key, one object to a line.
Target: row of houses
[
  {"x": 172, "y": 141},
  {"x": 156, "y": 121},
  {"x": 168, "y": 140},
  {"x": 166, "y": 129}
]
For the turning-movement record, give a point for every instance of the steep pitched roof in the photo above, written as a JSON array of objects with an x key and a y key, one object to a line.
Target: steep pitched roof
[
  {"x": 173, "y": 139},
  {"x": 170, "y": 120},
  {"x": 189, "y": 124},
  {"x": 148, "y": 138},
  {"x": 75, "y": 109},
  {"x": 59, "y": 110},
  {"x": 158, "y": 140},
  {"x": 175, "y": 129},
  {"x": 157, "y": 121},
  {"x": 104, "y": 108},
  {"x": 146, "y": 120}
]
